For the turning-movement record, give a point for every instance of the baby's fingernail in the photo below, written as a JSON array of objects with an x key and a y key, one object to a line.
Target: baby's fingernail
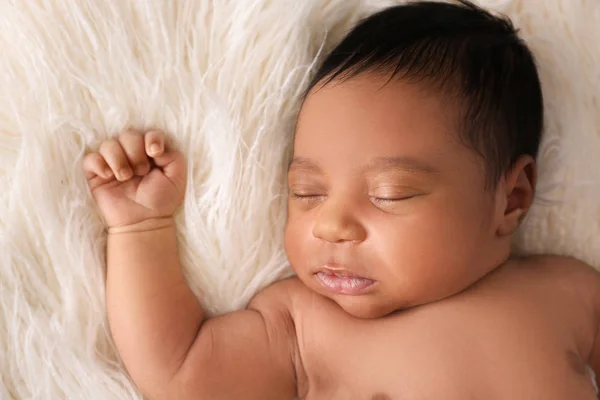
[
  {"x": 125, "y": 173},
  {"x": 154, "y": 148}
]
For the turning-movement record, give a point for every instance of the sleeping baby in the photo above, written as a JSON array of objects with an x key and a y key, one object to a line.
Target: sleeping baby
[{"x": 414, "y": 164}]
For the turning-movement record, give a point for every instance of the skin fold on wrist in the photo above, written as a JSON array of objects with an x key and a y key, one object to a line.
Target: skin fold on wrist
[{"x": 146, "y": 225}]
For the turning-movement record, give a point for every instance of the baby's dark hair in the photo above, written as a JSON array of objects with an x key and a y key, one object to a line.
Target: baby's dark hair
[{"x": 469, "y": 54}]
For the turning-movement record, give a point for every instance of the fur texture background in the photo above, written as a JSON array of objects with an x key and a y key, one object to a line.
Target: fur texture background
[{"x": 224, "y": 78}]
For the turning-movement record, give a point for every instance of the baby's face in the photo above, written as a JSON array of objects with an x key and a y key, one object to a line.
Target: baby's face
[{"x": 387, "y": 208}]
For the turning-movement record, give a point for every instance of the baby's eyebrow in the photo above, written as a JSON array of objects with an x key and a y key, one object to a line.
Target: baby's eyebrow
[
  {"x": 378, "y": 164},
  {"x": 409, "y": 164},
  {"x": 304, "y": 164}
]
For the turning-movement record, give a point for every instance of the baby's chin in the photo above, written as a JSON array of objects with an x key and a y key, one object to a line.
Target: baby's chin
[
  {"x": 375, "y": 304},
  {"x": 380, "y": 304},
  {"x": 367, "y": 306}
]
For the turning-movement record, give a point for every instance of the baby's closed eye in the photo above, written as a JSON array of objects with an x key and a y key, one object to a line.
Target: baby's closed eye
[{"x": 389, "y": 195}]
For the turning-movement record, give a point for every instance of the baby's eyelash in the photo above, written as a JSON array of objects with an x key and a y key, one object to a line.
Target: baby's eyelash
[
  {"x": 306, "y": 196},
  {"x": 382, "y": 200}
]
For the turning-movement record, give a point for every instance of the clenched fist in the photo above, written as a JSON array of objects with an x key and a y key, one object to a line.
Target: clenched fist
[{"x": 134, "y": 178}]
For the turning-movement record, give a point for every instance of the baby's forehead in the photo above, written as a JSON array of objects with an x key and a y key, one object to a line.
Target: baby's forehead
[
  {"x": 386, "y": 91},
  {"x": 371, "y": 118},
  {"x": 371, "y": 102}
]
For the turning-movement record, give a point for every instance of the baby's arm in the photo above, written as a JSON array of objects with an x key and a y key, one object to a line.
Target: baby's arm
[
  {"x": 595, "y": 360},
  {"x": 593, "y": 280},
  {"x": 157, "y": 323},
  {"x": 595, "y": 355}
]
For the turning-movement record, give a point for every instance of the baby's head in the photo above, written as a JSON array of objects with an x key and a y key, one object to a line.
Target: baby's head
[{"x": 413, "y": 157}]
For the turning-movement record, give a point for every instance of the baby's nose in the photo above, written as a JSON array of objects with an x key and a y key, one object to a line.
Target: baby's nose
[{"x": 337, "y": 224}]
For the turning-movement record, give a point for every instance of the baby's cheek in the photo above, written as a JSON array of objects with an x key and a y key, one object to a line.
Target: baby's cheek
[
  {"x": 425, "y": 254},
  {"x": 296, "y": 241}
]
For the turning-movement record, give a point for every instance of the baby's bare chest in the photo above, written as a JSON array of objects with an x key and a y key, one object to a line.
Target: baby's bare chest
[{"x": 455, "y": 350}]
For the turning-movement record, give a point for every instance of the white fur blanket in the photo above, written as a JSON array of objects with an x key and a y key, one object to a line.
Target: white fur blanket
[{"x": 224, "y": 77}]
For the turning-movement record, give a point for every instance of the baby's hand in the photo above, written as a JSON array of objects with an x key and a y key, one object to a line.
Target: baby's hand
[{"x": 133, "y": 178}]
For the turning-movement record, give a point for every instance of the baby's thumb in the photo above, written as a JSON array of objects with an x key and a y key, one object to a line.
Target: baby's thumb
[{"x": 173, "y": 165}]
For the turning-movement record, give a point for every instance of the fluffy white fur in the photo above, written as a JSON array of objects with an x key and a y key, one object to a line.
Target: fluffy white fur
[{"x": 224, "y": 77}]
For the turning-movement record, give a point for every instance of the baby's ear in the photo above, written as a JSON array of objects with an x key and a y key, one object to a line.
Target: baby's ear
[{"x": 518, "y": 189}]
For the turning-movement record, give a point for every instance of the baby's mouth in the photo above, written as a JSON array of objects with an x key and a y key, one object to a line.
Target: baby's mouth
[{"x": 343, "y": 281}]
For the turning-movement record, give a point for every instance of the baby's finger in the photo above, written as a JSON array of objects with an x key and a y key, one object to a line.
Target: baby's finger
[
  {"x": 154, "y": 143},
  {"x": 132, "y": 143},
  {"x": 95, "y": 165},
  {"x": 115, "y": 157},
  {"x": 173, "y": 166}
]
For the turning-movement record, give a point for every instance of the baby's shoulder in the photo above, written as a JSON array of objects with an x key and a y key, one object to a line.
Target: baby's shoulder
[
  {"x": 557, "y": 269},
  {"x": 558, "y": 277},
  {"x": 282, "y": 296}
]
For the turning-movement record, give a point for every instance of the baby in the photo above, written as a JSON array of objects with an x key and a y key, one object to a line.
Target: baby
[{"x": 414, "y": 163}]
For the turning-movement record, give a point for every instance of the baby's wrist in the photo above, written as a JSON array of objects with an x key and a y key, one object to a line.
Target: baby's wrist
[{"x": 147, "y": 225}]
